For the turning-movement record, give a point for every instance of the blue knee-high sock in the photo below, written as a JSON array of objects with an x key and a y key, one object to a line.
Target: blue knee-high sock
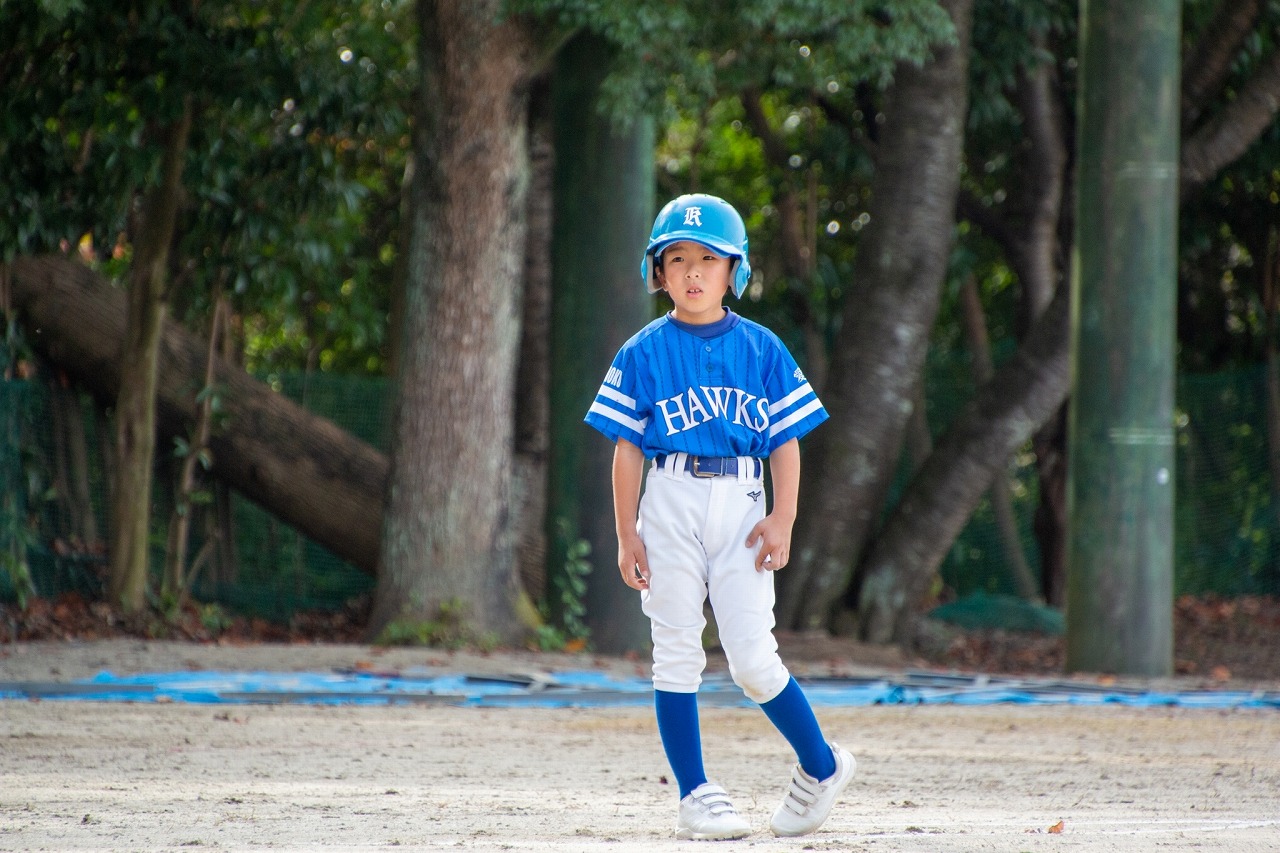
[
  {"x": 681, "y": 737},
  {"x": 791, "y": 713}
]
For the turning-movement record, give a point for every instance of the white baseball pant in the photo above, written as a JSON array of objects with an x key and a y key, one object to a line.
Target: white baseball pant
[{"x": 695, "y": 531}]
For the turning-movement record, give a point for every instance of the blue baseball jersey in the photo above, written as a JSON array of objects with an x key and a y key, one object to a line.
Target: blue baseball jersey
[{"x": 730, "y": 388}]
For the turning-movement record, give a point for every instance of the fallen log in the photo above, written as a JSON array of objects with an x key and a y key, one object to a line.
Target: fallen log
[{"x": 300, "y": 467}]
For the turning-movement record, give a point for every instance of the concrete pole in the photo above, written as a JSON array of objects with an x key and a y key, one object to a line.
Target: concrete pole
[{"x": 1120, "y": 485}]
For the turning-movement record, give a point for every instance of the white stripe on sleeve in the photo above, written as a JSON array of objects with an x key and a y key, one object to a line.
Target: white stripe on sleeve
[
  {"x": 617, "y": 397},
  {"x": 796, "y": 416},
  {"x": 804, "y": 390},
  {"x": 619, "y": 418}
]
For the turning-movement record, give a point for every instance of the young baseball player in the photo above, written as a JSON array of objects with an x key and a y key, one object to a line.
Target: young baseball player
[{"x": 708, "y": 395}]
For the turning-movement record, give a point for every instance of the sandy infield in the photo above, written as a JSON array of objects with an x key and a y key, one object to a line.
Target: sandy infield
[{"x": 78, "y": 775}]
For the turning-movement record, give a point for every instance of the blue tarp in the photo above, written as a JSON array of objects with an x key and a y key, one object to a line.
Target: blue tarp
[{"x": 587, "y": 688}]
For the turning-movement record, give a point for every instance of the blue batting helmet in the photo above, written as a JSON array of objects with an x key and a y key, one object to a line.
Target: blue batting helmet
[{"x": 704, "y": 219}]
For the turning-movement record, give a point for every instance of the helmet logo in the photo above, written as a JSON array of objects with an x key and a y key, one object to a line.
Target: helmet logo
[{"x": 693, "y": 216}]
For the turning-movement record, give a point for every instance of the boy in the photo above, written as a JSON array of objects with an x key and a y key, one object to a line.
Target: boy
[{"x": 708, "y": 395}]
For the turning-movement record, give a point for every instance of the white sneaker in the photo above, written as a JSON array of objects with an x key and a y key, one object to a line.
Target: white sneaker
[
  {"x": 707, "y": 814},
  {"x": 808, "y": 801}
]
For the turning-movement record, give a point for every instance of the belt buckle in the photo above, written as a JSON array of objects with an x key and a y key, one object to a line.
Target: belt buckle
[{"x": 697, "y": 467}]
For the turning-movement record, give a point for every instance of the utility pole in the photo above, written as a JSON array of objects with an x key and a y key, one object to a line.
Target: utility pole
[{"x": 1120, "y": 483}]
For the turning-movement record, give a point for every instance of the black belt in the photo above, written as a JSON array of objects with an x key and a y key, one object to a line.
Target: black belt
[{"x": 712, "y": 466}]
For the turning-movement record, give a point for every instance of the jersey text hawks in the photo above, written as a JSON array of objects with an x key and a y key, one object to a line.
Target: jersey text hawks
[{"x": 696, "y": 406}]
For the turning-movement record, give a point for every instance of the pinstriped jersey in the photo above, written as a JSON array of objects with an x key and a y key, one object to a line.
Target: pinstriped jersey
[{"x": 727, "y": 389}]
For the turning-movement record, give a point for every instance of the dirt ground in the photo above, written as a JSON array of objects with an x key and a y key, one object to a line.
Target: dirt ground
[{"x": 81, "y": 775}]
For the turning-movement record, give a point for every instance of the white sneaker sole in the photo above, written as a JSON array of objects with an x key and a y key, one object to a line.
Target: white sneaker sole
[{"x": 730, "y": 835}]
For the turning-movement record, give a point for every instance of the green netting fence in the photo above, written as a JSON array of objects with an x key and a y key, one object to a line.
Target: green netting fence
[{"x": 1226, "y": 529}]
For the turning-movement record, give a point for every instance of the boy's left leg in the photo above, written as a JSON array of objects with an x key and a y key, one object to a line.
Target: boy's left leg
[
  {"x": 792, "y": 715},
  {"x": 822, "y": 772},
  {"x": 742, "y": 599},
  {"x": 809, "y": 800}
]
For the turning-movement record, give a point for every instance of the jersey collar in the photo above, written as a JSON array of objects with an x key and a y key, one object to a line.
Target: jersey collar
[{"x": 707, "y": 330}]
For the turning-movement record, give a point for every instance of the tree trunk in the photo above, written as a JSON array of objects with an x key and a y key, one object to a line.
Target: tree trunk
[
  {"x": 533, "y": 377},
  {"x": 889, "y": 313},
  {"x": 1227, "y": 135},
  {"x": 1271, "y": 307},
  {"x": 135, "y": 410},
  {"x": 71, "y": 453},
  {"x": 604, "y": 210},
  {"x": 797, "y": 231},
  {"x": 1029, "y": 233},
  {"x": 177, "y": 582},
  {"x": 942, "y": 496},
  {"x": 1050, "y": 521},
  {"x": 448, "y": 538},
  {"x": 975, "y": 325},
  {"x": 1210, "y": 60},
  {"x": 1039, "y": 209},
  {"x": 301, "y": 468}
]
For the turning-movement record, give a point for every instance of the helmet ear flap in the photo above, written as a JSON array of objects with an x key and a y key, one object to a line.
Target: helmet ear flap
[
  {"x": 648, "y": 271},
  {"x": 741, "y": 276}
]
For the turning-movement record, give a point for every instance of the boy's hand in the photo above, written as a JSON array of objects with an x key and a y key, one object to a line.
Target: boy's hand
[
  {"x": 773, "y": 532},
  {"x": 633, "y": 561}
]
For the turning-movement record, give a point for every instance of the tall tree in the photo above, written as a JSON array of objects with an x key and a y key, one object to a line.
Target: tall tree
[
  {"x": 1023, "y": 82},
  {"x": 1034, "y": 382},
  {"x": 139, "y": 375},
  {"x": 101, "y": 153},
  {"x": 889, "y": 313},
  {"x": 448, "y": 534},
  {"x": 533, "y": 378}
]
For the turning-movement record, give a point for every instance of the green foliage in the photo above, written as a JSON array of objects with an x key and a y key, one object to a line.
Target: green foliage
[
  {"x": 1006, "y": 33},
  {"x": 449, "y": 629},
  {"x": 1227, "y": 231},
  {"x": 58, "y": 9},
  {"x": 16, "y": 539},
  {"x": 707, "y": 51},
  {"x": 564, "y": 611},
  {"x": 17, "y": 483},
  {"x": 294, "y": 167},
  {"x": 214, "y": 619}
]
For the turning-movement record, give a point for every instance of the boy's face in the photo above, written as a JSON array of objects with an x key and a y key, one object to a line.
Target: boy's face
[{"x": 696, "y": 278}]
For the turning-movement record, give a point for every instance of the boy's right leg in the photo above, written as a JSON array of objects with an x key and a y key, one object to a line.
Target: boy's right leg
[
  {"x": 669, "y": 512},
  {"x": 706, "y": 812},
  {"x": 681, "y": 737}
]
